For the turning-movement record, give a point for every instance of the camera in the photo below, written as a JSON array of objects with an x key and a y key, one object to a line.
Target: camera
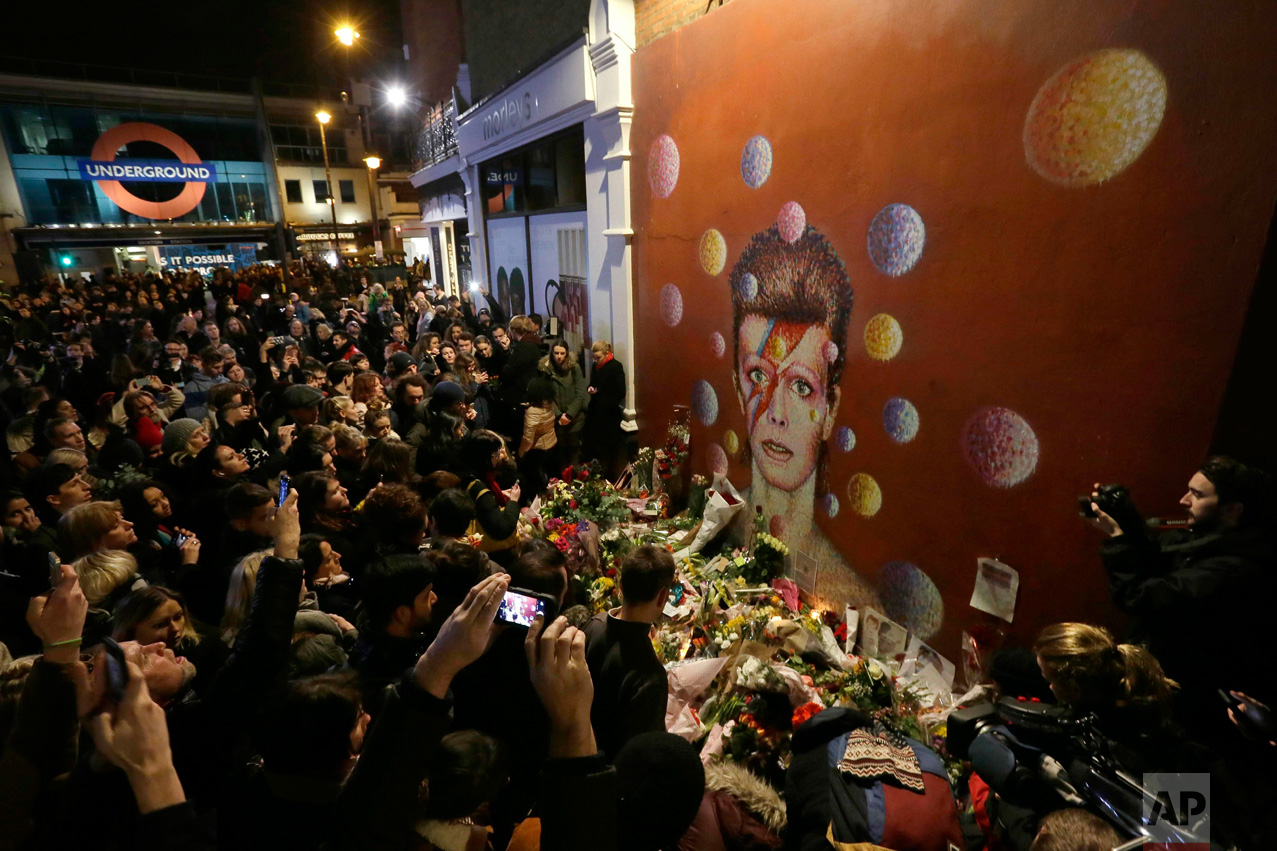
[
  {"x": 1109, "y": 498},
  {"x": 280, "y": 341},
  {"x": 967, "y": 723},
  {"x": 1012, "y": 744},
  {"x": 1115, "y": 501}
]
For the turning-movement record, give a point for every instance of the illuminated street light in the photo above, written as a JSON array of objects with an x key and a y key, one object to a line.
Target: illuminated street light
[
  {"x": 323, "y": 117},
  {"x": 372, "y": 161},
  {"x": 396, "y": 96},
  {"x": 346, "y": 35}
]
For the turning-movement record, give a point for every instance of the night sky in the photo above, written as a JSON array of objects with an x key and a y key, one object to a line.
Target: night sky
[{"x": 280, "y": 40}]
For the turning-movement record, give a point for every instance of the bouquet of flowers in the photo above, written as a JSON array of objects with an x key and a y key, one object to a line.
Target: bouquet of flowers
[
  {"x": 583, "y": 494},
  {"x": 643, "y": 466}
]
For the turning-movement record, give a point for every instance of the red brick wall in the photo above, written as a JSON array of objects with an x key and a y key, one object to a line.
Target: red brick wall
[{"x": 655, "y": 18}]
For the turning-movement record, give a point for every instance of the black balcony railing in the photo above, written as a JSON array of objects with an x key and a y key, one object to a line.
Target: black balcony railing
[{"x": 437, "y": 139}]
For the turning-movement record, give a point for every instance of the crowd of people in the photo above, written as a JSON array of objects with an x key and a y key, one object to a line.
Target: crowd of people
[{"x": 257, "y": 534}]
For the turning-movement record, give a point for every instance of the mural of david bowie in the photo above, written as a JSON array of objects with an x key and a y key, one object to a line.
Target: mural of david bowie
[{"x": 790, "y": 321}]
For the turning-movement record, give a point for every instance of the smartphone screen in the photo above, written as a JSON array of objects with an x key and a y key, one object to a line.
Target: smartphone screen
[
  {"x": 55, "y": 570},
  {"x": 179, "y": 539},
  {"x": 284, "y": 483},
  {"x": 520, "y": 609}
]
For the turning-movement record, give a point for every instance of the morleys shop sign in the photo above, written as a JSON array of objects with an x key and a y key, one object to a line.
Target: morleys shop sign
[{"x": 187, "y": 169}]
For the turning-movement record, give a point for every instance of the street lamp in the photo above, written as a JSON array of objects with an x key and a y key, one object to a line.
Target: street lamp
[
  {"x": 374, "y": 162},
  {"x": 396, "y": 96},
  {"x": 323, "y": 117},
  {"x": 346, "y": 35}
]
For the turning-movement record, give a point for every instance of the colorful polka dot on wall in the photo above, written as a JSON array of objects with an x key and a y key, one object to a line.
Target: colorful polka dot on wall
[
  {"x": 756, "y": 162},
  {"x": 863, "y": 495},
  {"x": 717, "y": 344},
  {"x": 671, "y": 305},
  {"x": 900, "y": 420},
  {"x": 791, "y": 221},
  {"x": 713, "y": 252},
  {"x": 1094, "y": 117},
  {"x": 883, "y": 337},
  {"x": 1001, "y": 446},
  {"x": 662, "y": 166},
  {"x": 845, "y": 439},
  {"x": 831, "y": 505},
  {"x": 717, "y": 459},
  {"x": 896, "y": 237},
  {"x": 731, "y": 442},
  {"x": 911, "y": 598},
  {"x": 747, "y": 286},
  {"x": 704, "y": 402}
]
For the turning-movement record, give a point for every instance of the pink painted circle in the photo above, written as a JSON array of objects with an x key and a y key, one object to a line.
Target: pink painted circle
[
  {"x": 1001, "y": 447},
  {"x": 671, "y": 305},
  {"x": 717, "y": 344},
  {"x": 662, "y": 166},
  {"x": 717, "y": 459},
  {"x": 776, "y": 526},
  {"x": 791, "y": 221}
]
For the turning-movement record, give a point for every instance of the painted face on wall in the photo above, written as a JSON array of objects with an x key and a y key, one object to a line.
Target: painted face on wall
[{"x": 781, "y": 380}]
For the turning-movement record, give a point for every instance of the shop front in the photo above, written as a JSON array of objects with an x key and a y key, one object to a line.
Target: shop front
[
  {"x": 546, "y": 169},
  {"x": 321, "y": 242}
]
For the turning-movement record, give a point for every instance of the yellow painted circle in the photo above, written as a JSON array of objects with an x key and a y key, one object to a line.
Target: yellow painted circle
[
  {"x": 864, "y": 495},
  {"x": 883, "y": 337}
]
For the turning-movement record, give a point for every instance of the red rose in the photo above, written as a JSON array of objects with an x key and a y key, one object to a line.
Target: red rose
[
  {"x": 583, "y": 474},
  {"x": 566, "y": 475},
  {"x": 571, "y": 503},
  {"x": 536, "y": 521}
]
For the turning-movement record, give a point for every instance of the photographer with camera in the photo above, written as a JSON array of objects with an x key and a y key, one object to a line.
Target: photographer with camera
[{"x": 1199, "y": 595}]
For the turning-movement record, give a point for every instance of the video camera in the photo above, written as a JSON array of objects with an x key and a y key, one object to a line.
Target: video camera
[{"x": 1023, "y": 749}]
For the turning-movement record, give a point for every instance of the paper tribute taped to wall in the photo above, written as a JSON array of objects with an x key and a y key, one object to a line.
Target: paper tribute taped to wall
[
  {"x": 881, "y": 636},
  {"x": 805, "y": 570},
  {"x": 852, "y": 618},
  {"x": 929, "y": 668},
  {"x": 995, "y": 588}
]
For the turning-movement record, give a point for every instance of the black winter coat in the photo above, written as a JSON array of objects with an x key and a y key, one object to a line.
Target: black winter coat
[{"x": 1201, "y": 605}]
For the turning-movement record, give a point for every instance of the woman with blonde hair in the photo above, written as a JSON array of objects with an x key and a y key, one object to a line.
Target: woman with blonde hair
[
  {"x": 239, "y": 595},
  {"x": 96, "y": 526},
  {"x": 1089, "y": 671},
  {"x": 106, "y": 577}
]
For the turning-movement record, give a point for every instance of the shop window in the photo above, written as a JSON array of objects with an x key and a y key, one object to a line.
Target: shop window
[
  {"x": 321, "y": 191},
  {"x": 347, "y": 190},
  {"x": 293, "y": 191}
]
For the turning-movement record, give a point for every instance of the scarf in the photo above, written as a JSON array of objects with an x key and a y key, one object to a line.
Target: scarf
[
  {"x": 491, "y": 481},
  {"x": 881, "y": 753}
]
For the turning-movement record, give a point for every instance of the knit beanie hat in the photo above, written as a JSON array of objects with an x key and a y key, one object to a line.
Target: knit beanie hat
[
  {"x": 659, "y": 785},
  {"x": 177, "y": 434},
  {"x": 446, "y": 393},
  {"x": 149, "y": 434}
]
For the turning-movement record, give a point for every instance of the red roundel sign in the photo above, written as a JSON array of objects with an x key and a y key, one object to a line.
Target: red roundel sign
[{"x": 111, "y": 141}]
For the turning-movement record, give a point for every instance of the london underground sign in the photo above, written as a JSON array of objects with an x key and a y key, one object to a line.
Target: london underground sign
[{"x": 103, "y": 168}]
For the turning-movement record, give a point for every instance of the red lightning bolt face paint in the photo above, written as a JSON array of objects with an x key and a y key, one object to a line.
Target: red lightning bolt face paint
[{"x": 782, "y": 373}]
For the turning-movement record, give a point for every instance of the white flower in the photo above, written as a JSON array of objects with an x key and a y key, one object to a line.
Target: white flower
[
  {"x": 875, "y": 670},
  {"x": 726, "y": 644},
  {"x": 735, "y": 636},
  {"x": 718, "y": 640}
]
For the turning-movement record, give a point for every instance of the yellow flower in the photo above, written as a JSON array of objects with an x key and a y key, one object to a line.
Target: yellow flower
[{"x": 740, "y": 580}]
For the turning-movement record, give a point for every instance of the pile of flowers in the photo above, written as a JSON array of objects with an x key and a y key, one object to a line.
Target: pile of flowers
[{"x": 581, "y": 493}]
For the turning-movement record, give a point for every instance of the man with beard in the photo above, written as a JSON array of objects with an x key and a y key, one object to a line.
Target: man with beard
[{"x": 1199, "y": 596}]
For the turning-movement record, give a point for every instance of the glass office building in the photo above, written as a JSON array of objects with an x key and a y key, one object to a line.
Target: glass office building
[{"x": 47, "y": 142}]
